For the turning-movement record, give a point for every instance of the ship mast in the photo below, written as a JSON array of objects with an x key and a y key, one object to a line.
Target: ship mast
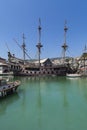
[
  {"x": 65, "y": 46},
  {"x": 23, "y": 47},
  {"x": 84, "y": 55},
  {"x": 85, "y": 49},
  {"x": 39, "y": 42}
]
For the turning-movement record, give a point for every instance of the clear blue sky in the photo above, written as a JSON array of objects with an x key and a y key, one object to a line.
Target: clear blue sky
[{"x": 21, "y": 16}]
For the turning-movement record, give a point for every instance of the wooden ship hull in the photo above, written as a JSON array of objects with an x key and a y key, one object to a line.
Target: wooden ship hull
[{"x": 60, "y": 70}]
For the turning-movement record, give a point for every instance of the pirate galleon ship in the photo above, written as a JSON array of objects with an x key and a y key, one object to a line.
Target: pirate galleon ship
[{"x": 40, "y": 66}]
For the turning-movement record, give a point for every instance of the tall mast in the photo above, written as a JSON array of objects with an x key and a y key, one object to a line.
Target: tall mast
[
  {"x": 23, "y": 47},
  {"x": 65, "y": 46},
  {"x": 85, "y": 49},
  {"x": 39, "y": 42},
  {"x": 85, "y": 55}
]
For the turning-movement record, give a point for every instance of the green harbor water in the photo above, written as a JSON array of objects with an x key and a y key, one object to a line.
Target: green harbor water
[{"x": 46, "y": 103}]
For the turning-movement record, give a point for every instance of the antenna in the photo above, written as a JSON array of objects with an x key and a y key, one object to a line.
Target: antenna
[{"x": 39, "y": 43}]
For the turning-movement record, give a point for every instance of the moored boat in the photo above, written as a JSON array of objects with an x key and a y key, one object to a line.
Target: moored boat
[
  {"x": 74, "y": 75},
  {"x": 7, "y": 88}
]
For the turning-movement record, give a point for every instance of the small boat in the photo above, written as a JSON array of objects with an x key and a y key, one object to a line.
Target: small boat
[
  {"x": 74, "y": 75},
  {"x": 7, "y": 88}
]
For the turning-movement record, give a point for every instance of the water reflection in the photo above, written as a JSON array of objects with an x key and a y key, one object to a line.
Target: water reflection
[
  {"x": 46, "y": 86},
  {"x": 8, "y": 78},
  {"x": 79, "y": 84},
  {"x": 48, "y": 103},
  {"x": 43, "y": 83},
  {"x": 6, "y": 102},
  {"x": 39, "y": 102}
]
